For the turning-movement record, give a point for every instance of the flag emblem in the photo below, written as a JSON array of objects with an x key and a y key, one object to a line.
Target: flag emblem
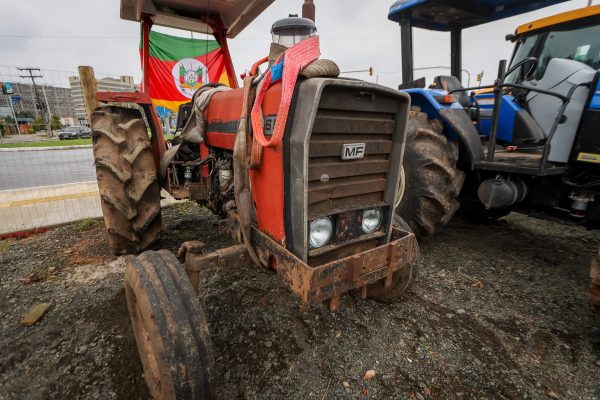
[{"x": 189, "y": 74}]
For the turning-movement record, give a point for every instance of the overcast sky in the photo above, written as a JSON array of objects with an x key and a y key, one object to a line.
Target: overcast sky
[{"x": 62, "y": 34}]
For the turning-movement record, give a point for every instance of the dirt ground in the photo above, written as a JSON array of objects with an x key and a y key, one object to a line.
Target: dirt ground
[{"x": 499, "y": 311}]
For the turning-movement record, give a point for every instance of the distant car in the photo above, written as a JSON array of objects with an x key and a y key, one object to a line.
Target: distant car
[{"x": 75, "y": 132}]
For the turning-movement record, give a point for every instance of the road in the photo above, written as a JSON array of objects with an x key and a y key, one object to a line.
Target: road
[{"x": 26, "y": 169}]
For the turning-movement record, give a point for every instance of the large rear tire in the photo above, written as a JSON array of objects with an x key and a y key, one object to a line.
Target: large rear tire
[
  {"x": 595, "y": 283},
  {"x": 127, "y": 179},
  {"x": 432, "y": 180},
  {"x": 170, "y": 327}
]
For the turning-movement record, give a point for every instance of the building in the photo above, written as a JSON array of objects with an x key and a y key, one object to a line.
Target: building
[
  {"x": 123, "y": 84},
  {"x": 58, "y": 98}
]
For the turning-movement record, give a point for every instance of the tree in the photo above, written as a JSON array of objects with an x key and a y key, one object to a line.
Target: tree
[
  {"x": 38, "y": 124},
  {"x": 55, "y": 122}
]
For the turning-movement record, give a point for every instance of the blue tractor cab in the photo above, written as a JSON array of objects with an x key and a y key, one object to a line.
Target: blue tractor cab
[{"x": 528, "y": 143}]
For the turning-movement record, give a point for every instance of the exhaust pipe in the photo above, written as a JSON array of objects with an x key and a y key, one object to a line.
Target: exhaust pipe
[{"x": 308, "y": 10}]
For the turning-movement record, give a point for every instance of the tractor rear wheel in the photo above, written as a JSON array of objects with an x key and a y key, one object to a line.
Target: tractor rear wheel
[
  {"x": 129, "y": 190},
  {"x": 595, "y": 283},
  {"x": 403, "y": 279},
  {"x": 170, "y": 327},
  {"x": 432, "y": 181}
]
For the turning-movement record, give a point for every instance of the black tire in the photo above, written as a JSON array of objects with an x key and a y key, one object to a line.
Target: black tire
[
  {"x": 170, "y": 328},
  {"x": 595, "y": 283},
  {"x": 127, "y": 179},
  {"x": 432, "y": 180},
  {"x": 402, "y": 280}
]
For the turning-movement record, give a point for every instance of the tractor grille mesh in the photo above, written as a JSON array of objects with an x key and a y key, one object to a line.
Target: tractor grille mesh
[{"x": 345, "y": 117}]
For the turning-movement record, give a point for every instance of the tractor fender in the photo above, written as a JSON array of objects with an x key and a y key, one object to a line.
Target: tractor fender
[{"x": 457, "y": 124}]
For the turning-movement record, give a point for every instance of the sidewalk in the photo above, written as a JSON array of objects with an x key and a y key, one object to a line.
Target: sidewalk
[
  {"x": 26, "y": 138},
  {"x": 24, "y": 209},
  {"x": 39, "y": 207}
]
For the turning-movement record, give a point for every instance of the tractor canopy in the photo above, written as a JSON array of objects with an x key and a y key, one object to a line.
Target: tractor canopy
[
  {"x": 448, "y": 15},
  {"x": 205, "y": 16}
]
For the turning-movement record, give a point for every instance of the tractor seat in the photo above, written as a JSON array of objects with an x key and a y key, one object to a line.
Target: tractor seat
[
  {"x": 562, "y": 76},
  {"x": 449, "y": 83}
]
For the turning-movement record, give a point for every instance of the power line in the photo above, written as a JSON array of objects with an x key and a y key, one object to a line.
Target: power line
[{"x": 64, "y": 36}]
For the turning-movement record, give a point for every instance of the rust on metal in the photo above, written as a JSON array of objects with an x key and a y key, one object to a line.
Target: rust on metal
[
  {"x": 195, "y": 261},
  {"x": 320, "y": 283},
  {"x": 314, "y": 284},
  {"x": 334, "y": 303}
]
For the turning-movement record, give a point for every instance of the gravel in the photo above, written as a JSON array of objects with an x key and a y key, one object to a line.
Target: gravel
[{"x": 499, "y": 311}]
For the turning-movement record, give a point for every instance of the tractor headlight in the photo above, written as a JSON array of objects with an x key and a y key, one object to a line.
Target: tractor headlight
[
  {"x": 371, "y": 219},
  {"x": 321, "y": 230}
]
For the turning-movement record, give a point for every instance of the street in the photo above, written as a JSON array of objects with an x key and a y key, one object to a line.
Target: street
[{"x": 25, "y": 169}]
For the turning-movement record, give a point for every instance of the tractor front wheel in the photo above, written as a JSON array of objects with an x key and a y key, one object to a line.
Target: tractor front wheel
[
  {"x": 127, "y": 180},
  {"x": 170, "y": 327},
  {"x": 432, "y": 182},
  {"x": 403, "y": 279}
]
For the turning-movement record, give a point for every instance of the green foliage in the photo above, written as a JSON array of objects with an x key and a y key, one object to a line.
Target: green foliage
[
  {"x": 38, "y": 124},
  {"x": 55, "y": 122},
  {"x": 4, "y": 245},
  {"x": 48, "y": 143},
  {"x": 86, "y": 224}
]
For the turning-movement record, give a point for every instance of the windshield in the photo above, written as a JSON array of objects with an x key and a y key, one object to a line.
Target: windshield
[
  {"x": 525, "y": 49},
  {"x": 71, "y": 129},
  {"x": 580, "y": 44}
]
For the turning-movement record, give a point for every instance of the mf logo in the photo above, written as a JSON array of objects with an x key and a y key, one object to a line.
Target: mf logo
[{"x": 353, "y": 151}]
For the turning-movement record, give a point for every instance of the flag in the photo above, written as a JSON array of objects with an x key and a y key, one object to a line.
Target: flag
[{"x": 179, "y": 66}]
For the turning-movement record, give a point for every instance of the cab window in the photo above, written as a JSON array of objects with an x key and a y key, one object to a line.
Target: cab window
[
  {"x": 582, "y": 44},
  {"x": 525, "y": 49}
]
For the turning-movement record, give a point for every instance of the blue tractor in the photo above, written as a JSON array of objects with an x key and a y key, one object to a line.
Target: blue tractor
[{"x": 528, "y": 143}]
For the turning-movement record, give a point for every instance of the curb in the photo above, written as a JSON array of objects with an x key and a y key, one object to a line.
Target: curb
[{"x": 79, "y": 146}]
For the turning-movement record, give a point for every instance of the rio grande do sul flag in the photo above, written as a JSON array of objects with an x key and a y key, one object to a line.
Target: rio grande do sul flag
[{"x": 179, "y": 66}]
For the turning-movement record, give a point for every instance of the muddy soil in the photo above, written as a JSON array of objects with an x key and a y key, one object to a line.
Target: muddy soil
[{"x": 499, "y": 311}]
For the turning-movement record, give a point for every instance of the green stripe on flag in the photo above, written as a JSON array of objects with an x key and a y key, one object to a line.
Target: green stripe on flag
[{"x": 173, "y": 48}]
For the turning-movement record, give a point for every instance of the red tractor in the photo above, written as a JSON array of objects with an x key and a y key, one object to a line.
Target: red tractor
[{"x": 302, "y": 166}]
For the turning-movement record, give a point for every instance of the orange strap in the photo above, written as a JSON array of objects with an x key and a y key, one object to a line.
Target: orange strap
[{"x": 294, "y": 60}]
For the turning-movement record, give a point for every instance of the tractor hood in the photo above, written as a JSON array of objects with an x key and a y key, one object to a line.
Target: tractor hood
[
  {"x": 446, "y": 15},
  {"x": 231, "y": 15}
]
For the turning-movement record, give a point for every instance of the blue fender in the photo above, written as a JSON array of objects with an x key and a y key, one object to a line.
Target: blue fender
[{"x": 458, "y": 126}]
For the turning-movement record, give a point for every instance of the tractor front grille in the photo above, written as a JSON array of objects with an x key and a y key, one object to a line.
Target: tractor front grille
[
  {"x": 344, "y": 188},
  {"x": 334, "y": 183},
  {"x": 332, "y": 114}
]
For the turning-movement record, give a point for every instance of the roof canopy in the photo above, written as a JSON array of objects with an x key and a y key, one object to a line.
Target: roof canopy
[
  {"x": 446, "y": 15},
  {"x": 191, "y": 15}
]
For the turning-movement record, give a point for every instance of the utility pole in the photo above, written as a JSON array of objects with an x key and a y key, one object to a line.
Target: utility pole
[
  {"x": 38, "y": 101},
  {"x": 89, "y": 87}
]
